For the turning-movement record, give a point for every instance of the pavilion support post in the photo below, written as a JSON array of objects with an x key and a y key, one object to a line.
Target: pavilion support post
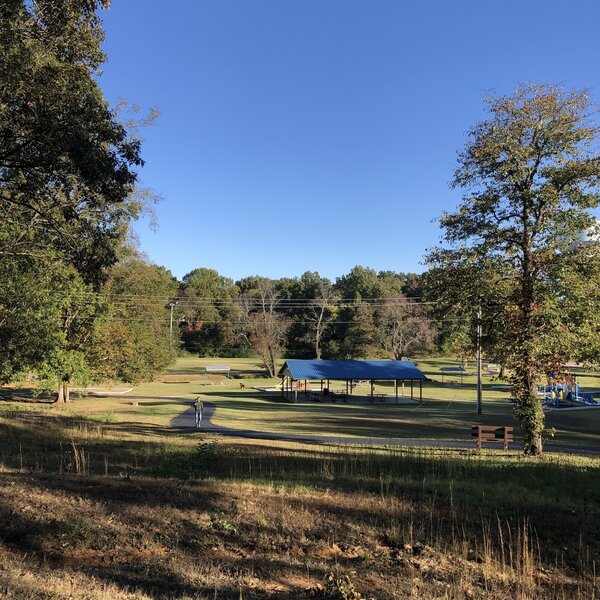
[
  {"x": 305, "y": 387},
  {"x": 396, "y": 389},
  {"x": 296, "y": 392},
  {"x": 403, "y": 388},
  {"x": 372, "y": 386},
  {"x": 411, "y": 390},
  {"x": 420, "y": 390}
]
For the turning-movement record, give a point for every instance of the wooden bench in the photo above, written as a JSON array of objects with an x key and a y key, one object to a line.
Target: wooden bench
[{"x": 492, "y": 433}]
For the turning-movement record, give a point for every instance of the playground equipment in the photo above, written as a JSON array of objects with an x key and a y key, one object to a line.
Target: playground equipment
[{"x": 564, "y": 393}]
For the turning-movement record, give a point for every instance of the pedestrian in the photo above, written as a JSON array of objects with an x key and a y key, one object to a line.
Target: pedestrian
[{"x": 198, "y": 410}]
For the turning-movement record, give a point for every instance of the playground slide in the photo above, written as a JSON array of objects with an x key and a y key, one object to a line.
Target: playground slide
[{"x": 588, "y": 400}]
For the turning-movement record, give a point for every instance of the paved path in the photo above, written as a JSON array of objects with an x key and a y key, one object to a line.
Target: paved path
[{"x": 185, "y": 421}]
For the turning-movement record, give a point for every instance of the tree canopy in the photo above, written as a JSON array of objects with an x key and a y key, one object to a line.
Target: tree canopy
[{"x": 67, "y": 165}]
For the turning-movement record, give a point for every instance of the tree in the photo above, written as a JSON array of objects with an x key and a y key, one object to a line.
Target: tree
[
  {"x": 208, "y": 302},
  {"x": 357, "y": 320},
  {"x": 131, "y": 343},
  {"x": 66, "y": 162},
  {"x": 263, "y": 327},
  {"x": 402, "y": 327},
  {"x": 355, "y": 330},
  {"x": 530, "y": 173},
  {"x": 67, "y": 186},
  {"x": 321, "y": 313},
  {"x": 47, "y": 320}
]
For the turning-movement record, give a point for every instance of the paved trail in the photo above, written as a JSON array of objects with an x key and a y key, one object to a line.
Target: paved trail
[{"x": 185, "y": 421}]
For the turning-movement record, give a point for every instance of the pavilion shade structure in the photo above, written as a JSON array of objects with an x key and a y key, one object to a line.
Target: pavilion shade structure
[
  {"x": 343, "y": 370},
  {"x": 349, "y": 370}
]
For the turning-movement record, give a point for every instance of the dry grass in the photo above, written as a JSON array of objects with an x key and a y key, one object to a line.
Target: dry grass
[
  {"x": 107, "y": 510},
  {"x": 101, "y": 538}
]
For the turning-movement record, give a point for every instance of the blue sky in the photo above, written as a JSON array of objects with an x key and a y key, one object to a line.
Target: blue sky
[{"x": 314, "y": 135}]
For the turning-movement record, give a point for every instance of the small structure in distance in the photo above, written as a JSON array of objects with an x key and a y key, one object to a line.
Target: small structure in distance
[
  {"x": 324, "y": 371},
  {"x": 218, "y": 370},
  {"x": 453, "y": 369}
]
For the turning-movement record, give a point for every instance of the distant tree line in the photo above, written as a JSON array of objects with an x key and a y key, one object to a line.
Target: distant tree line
[{"x": 363, "y": 313}]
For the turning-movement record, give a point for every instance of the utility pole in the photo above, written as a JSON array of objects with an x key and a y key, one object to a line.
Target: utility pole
[
  {"x": 479, "y": 402},
  {"x": 171, "y": 306}
]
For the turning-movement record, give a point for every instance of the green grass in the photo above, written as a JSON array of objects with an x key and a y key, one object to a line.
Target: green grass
[{"x": 447, "y": 413}]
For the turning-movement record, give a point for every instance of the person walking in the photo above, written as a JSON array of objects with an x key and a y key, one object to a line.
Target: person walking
[{"x": 198, "y": 410}]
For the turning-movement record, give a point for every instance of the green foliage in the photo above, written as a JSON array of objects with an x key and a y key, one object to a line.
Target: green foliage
[
  {"x": 325, "y": 319},
  {"x": 132, "y": 344},
  {"x": 47, "y": 321},
  {"x": 403, "y": 327},
  {"x": 530, "y": 175},
  {"x": 67, "y": 176},
  {"x": 66, "y": 163},
  {"x": 208, "y": 303}
]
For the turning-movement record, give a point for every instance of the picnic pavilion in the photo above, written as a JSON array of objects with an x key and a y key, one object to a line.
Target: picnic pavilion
[{"x": 294, "y": 372}]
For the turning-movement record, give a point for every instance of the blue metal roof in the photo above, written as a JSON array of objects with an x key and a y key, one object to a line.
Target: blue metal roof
[{"x": 351, "y": 369}]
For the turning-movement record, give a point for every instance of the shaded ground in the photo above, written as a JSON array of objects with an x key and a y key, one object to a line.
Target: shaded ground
[{"x": 186, "y": 421}]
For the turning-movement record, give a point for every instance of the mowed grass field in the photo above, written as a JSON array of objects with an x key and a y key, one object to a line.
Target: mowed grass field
[
  {"x": 103, "y": 500},
  {"x": 447, "y": 412}
]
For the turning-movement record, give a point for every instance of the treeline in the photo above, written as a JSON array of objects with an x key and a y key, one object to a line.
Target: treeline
[{"x": 363, "y": 313}]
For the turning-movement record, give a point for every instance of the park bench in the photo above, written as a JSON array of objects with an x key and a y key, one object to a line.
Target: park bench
[{"x": 492, "y": 433}]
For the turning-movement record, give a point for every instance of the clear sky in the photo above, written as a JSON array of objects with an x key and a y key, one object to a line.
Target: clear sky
[{"x": 316, "y": 135}]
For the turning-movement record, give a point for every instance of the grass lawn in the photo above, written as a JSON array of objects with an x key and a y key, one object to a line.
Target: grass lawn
[{"x": 447, "y": 413}]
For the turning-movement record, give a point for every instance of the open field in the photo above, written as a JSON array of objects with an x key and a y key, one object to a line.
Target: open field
[
  {"x": 102, "y": 499},
  {"x": 447, "y": 413}
]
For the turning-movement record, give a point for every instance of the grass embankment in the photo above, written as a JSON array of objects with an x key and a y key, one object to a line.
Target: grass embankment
[{"x": 91, "y": 509}]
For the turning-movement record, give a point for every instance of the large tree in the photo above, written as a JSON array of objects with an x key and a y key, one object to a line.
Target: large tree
[
  {"x": 67, "y": 176},
  {"x": 530, "y": 175},
  {"x": 67, "y": 164},
  {"x": 403, "y": 327},
  {"x": 208, "y": 306},
  {"x": 132, "y": 341},
  {"x": 263, "y": 326}
]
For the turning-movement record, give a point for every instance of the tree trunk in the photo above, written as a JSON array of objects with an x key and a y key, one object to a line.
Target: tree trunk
[
  {"x": 64, "y": 392},
  {"x": 531, "y": 415},
  {"x": 272, "y": 366},
  {"x": 318, "y": 349},
  {"x": 535, "y": 446},
  {"x": 529, "y": 408}
]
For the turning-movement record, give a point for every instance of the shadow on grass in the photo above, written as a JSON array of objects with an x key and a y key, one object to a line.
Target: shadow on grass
[
  {"x": 132, "y": 549},
  {"x": 561, "y": 498}
]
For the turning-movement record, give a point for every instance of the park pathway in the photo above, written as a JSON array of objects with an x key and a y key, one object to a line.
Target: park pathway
[{"x": 185, "y": 421}]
